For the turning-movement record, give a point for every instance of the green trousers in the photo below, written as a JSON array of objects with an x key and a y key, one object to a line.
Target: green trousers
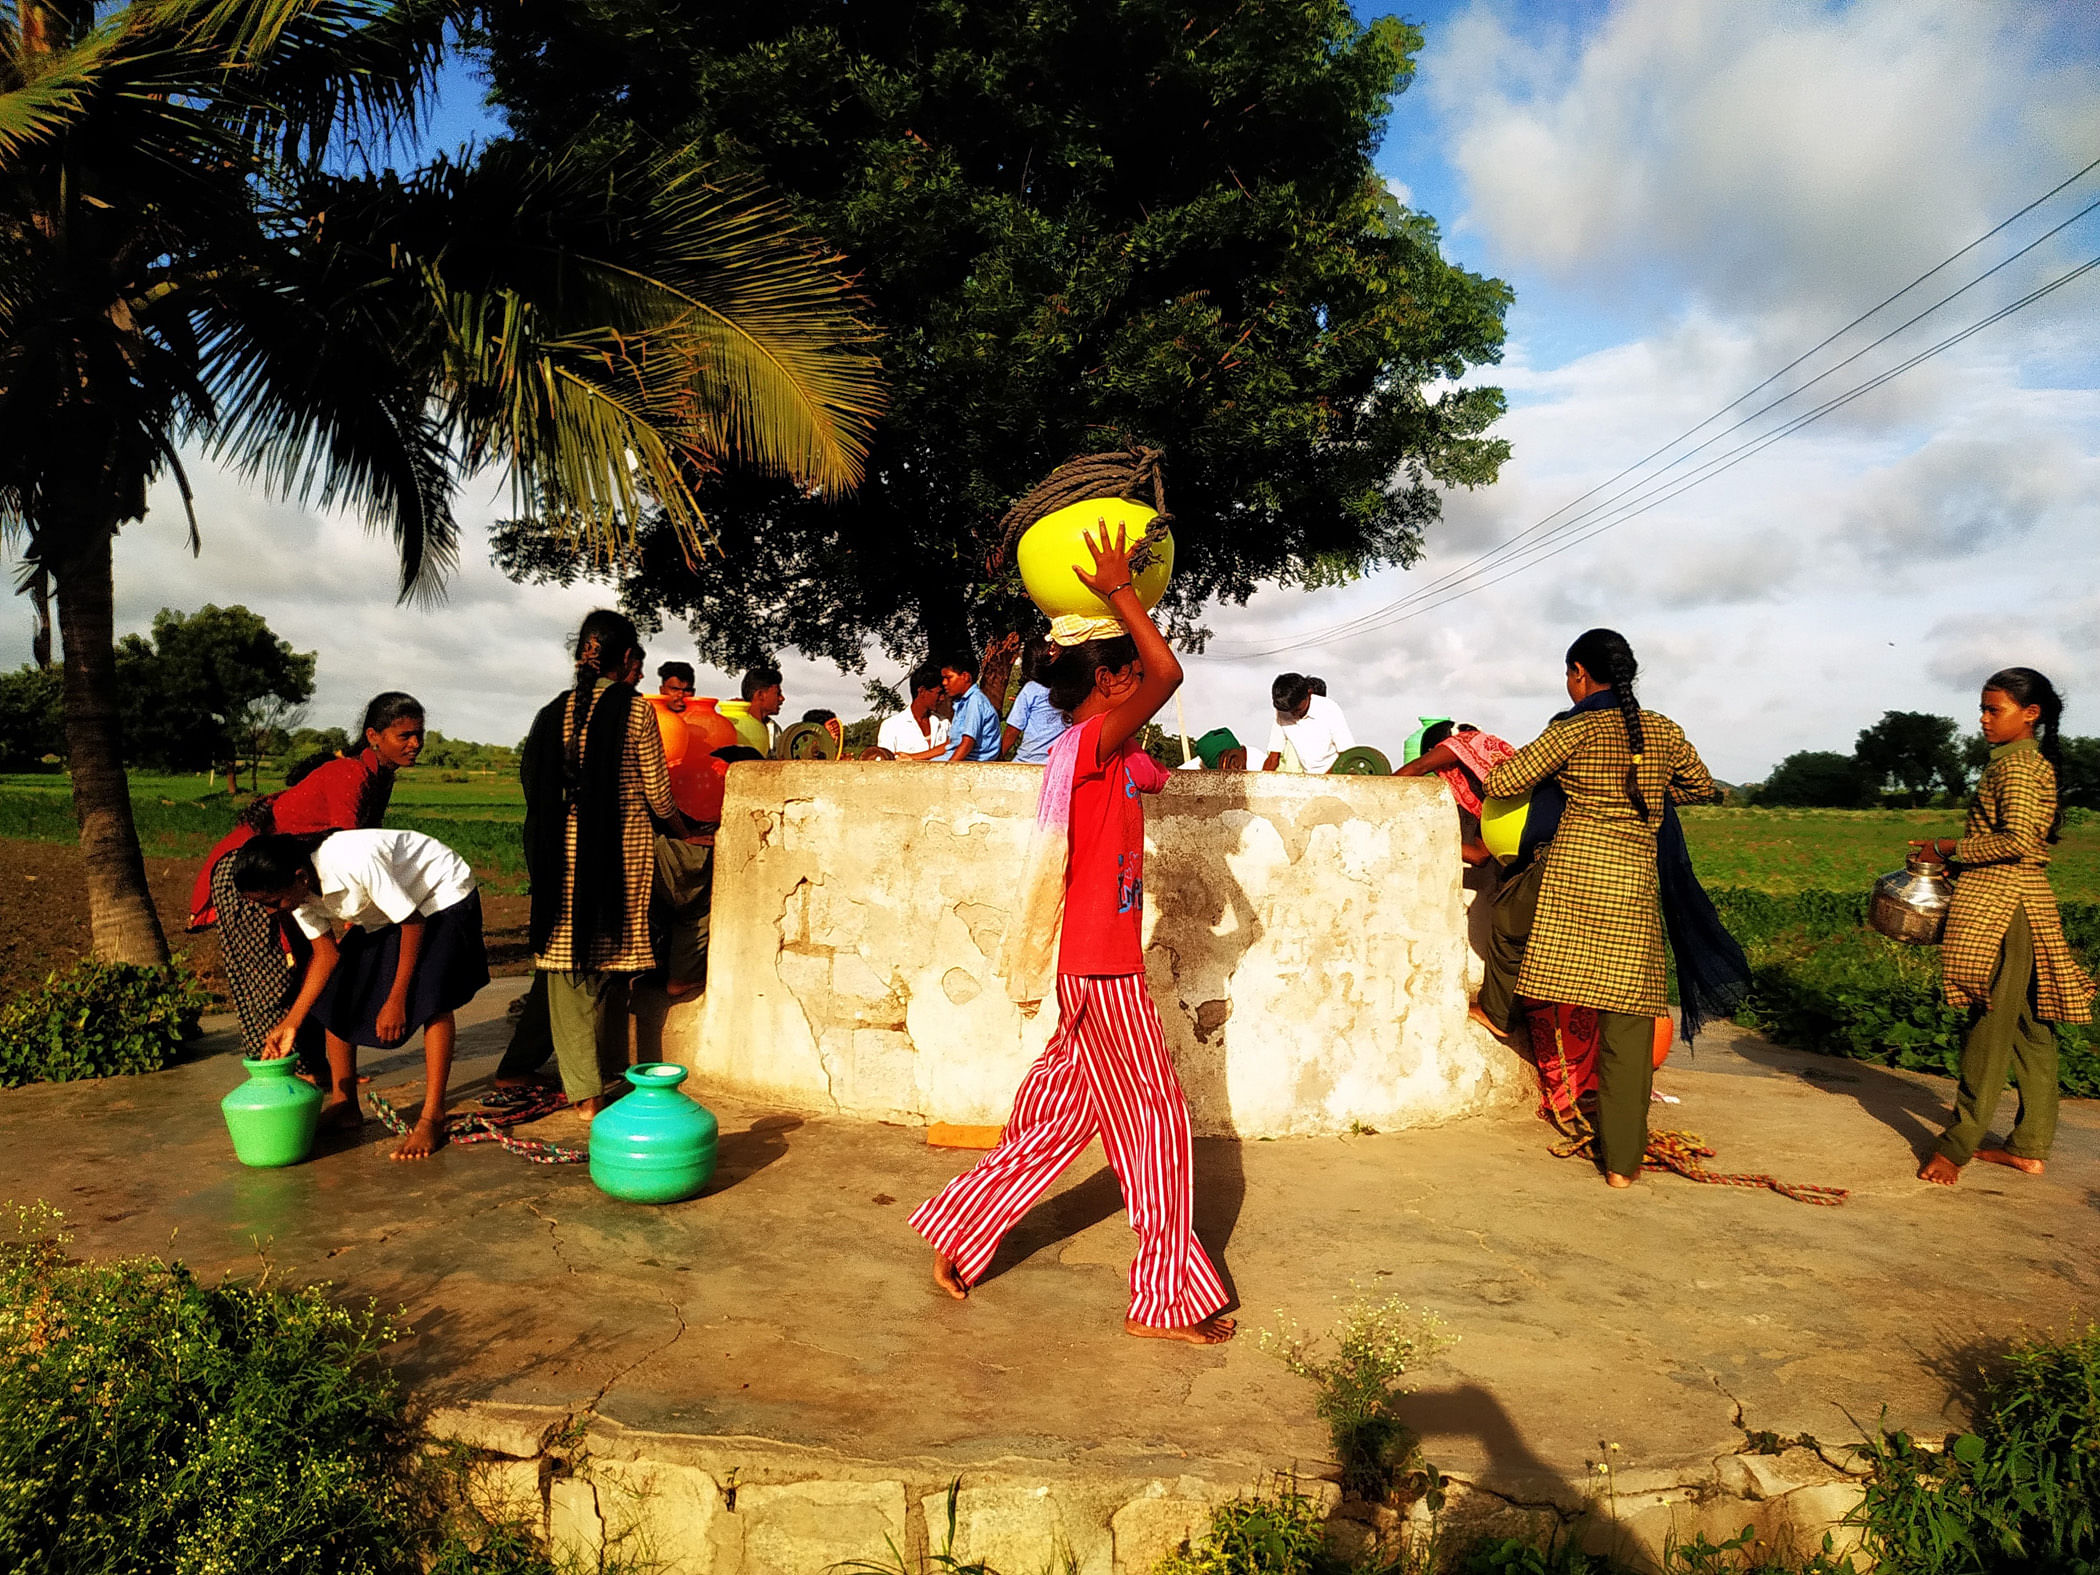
[
  {"x": 1509, "y": 927},
  {"x": 2007, "y": 1040},
  {"x": 1625, "y": 1078},
  {"x": 587, "y": 1013}
]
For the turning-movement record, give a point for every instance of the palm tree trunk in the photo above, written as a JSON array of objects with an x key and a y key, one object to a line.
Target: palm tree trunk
[{"x": 121, "y": 916}]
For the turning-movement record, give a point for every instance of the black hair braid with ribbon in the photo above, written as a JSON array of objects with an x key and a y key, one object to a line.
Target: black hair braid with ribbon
[
  {"x": 1607, "y": 657},
  {"x": 2024, "y": 687},
  {"x": 1134, "y": 472}
]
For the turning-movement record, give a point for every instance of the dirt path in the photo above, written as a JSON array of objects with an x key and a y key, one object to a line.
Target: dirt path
[{"x": 44, "y": 917}]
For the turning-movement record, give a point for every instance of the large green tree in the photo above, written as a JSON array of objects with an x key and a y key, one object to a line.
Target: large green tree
[
  {"x": 191, "y": 688},
  {"x": 1076, "y": 220},
  {"x": 182, "y": 263},
  {"x": 1912, "y": 753}
]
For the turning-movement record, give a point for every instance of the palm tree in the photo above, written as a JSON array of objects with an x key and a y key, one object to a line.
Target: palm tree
[{"x": 184, "y": 262}]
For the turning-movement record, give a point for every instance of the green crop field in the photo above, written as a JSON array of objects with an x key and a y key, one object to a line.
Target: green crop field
[{"x": 1788, "y": 850}]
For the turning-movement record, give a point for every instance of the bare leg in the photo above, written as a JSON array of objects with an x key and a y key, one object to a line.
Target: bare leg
[
  {"x": 429, "y": 1134},
  {"x": 949, "y": 1278},
  {"x": 1940, "y": 1170},
  {"x": 340, "y": 1111},
  {"x": 2019, "y": 1162},
  {"x": 1214, "y": 1330}
]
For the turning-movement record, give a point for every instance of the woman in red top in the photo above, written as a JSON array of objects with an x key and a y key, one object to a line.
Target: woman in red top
[
  {"x": 1107, "y": 1069},
  {"x": 264, "y": 958}
]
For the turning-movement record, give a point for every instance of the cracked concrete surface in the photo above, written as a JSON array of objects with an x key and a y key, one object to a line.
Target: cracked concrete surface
[{"x": 791, "y": 1303}]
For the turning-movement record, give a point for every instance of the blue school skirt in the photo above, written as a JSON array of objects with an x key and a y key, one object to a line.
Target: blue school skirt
[{"x": 450, "y": 971}]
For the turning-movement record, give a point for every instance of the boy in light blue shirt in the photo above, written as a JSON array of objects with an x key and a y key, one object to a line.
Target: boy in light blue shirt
[
  {"x": 1034, "y": 723},
  {"x": 973, "y": 732}
]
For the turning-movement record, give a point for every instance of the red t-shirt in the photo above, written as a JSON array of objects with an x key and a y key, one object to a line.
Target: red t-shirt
[
  {"x": 345, "y": 794},
  {"x": 1105, "y": 875}
]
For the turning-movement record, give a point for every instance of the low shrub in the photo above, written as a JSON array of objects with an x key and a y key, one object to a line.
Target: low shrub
[
  {"x": 158, "y": 1425},
  {"x": 1821, "y": 980},
  {"x": 100, "y": 1019},
  {"x": 1277, "y": 1533}
]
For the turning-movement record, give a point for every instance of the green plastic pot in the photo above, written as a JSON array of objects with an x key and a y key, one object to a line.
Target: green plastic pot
[
  {"x": 271, "y": 1117},
  {"x": 657, "y": 1145}
]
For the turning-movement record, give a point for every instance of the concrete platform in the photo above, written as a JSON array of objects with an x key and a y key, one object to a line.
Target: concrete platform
[{"x": 777, "y": 1347}]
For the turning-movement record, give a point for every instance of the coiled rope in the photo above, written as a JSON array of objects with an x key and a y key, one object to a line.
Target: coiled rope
[
  {"x": 1135, "y": 473},
  {"x": 468, "y": 1127}
]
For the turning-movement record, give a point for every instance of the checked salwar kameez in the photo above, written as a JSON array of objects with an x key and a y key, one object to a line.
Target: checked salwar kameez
[
  {"x": 1596, "y": 941},
  {"x": 2005, "y": 959}
]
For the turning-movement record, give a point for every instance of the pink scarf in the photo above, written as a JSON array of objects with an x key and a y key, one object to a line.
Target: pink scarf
[
  {"x": 1480, "y": 753},
  {"x": 1028, "y": 956}
]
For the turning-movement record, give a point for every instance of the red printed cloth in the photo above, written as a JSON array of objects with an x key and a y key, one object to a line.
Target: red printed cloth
[
  {"x": 1479, "y": 753},
  {"x": 1105, "y": 876},
  {"x": 343, "y": 795},
  {"x": 1564, "y": 1049}
]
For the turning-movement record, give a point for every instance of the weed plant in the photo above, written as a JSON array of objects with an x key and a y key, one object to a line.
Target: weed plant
[
  {"x": 1359, "y": 1368},
  {"x": 2018, "y": 1494},
  {"x": 100, "y": 1019},
  {"x": 1273, "y": 1533}
]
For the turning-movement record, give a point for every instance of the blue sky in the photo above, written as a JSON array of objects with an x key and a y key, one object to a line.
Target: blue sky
[{"x": 1685, "y": 194}]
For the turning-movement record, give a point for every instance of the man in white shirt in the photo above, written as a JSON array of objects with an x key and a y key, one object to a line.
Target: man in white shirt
[
  {"x": 920, "y": 733},
  {"x": 1304, "y": 739},
  {"x": 414, "y": 953}
]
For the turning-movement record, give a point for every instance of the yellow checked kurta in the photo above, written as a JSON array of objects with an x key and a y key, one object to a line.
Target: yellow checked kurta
[
  {"x": 645, "y": 798},
  {"x": 2002, "y": 865},
  {"x": 1598, "y": 937}
]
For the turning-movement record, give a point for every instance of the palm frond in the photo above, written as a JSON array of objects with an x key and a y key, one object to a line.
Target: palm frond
[{"x": 43, "y": 96}]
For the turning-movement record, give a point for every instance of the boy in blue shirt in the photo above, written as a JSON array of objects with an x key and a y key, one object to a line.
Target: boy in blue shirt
[
  {"x": 1034, "y": 724},
  {"x": 973, "y": 733}
]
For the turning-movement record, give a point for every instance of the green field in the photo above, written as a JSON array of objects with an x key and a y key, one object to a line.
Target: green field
[{"x": 181, "y": 817}]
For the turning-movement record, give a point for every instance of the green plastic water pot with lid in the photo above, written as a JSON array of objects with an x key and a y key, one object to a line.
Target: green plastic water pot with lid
[
  {"x": 272, "y": 1117},
  {"x": 657, "y": 1145}
]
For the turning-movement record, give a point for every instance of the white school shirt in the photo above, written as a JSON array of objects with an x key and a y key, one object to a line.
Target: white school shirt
[
  {"x": 1330, "y": 713},
  {"x": 1316, "y": 738},
  {"x": 900, "y": 734},
  {"x": 376, "y": 878}
]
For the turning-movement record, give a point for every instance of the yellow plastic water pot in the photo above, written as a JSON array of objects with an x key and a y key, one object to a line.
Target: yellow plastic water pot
[
  {"x": 1055, "y": 545},
  {"x": 1502, "y": 825}
]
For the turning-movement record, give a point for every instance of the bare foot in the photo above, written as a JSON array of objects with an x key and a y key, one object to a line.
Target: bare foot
[
  {"x": 1940, "y": 1170},
  {"x": 519, "y": 1082},
  {"x": 427, "y": 1138},
  {"x": 1613, "y": 1179},
  {"x": 679, "y": 992},
  {"x": 2019, "y": 1162},
  {"x": 1487, "y": 1022},
  {"x": 340, "y": 1113},
  {"x": 949, "y": 1278},
  {"x": 1214, "y": 1330}
]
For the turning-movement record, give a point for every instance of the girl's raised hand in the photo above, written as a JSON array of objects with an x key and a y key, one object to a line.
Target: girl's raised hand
[{"x": 1111, "y": 561}]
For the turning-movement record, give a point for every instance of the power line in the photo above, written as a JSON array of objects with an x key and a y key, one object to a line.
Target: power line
[
  {"x": 1551, "y": 547},
  {"x": 1488, "y": 559}
]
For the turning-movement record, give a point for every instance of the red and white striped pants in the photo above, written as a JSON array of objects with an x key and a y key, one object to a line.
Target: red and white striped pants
[{"x": 1106, "y": 1070}]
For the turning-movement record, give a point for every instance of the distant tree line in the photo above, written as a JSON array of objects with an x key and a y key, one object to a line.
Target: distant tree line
[
  {"x": 1905, "y": 760},
  {"x": 215, "y": 690}
]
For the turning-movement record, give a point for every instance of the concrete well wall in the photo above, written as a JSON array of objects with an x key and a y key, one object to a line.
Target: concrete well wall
[{"x": 1306, "y": 946}]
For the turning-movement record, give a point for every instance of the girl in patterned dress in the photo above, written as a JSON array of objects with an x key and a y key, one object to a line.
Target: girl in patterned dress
[
  {"x": 596, "y": 791},
  {"x": 2004, "y": 957},
  {"x": 1593, "y": 966}
]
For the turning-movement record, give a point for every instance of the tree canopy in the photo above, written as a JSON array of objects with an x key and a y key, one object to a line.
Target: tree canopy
[
  {"x": 195, "y": 691},
  {"x": 1913, "y": 753},
  {"x": 1076, "y": 223}
]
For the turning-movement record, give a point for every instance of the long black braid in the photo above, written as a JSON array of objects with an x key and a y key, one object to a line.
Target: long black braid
[
  {"x": 1605, "y": 655},
  {"x": 603, "y": 645},
  {"x": 2024, "y": 687}
]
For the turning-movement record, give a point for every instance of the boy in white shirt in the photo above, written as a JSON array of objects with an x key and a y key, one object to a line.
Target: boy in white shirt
[
  {"x": 1309, "y": 733},
  {"x": 919, "y": 732},
  {"x": 413, "y": 953}
]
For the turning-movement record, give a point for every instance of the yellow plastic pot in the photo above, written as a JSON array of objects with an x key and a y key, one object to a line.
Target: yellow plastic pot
[
  {"x": 1502, "y": 825},
  {"x": 1055, "y": 545}
]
